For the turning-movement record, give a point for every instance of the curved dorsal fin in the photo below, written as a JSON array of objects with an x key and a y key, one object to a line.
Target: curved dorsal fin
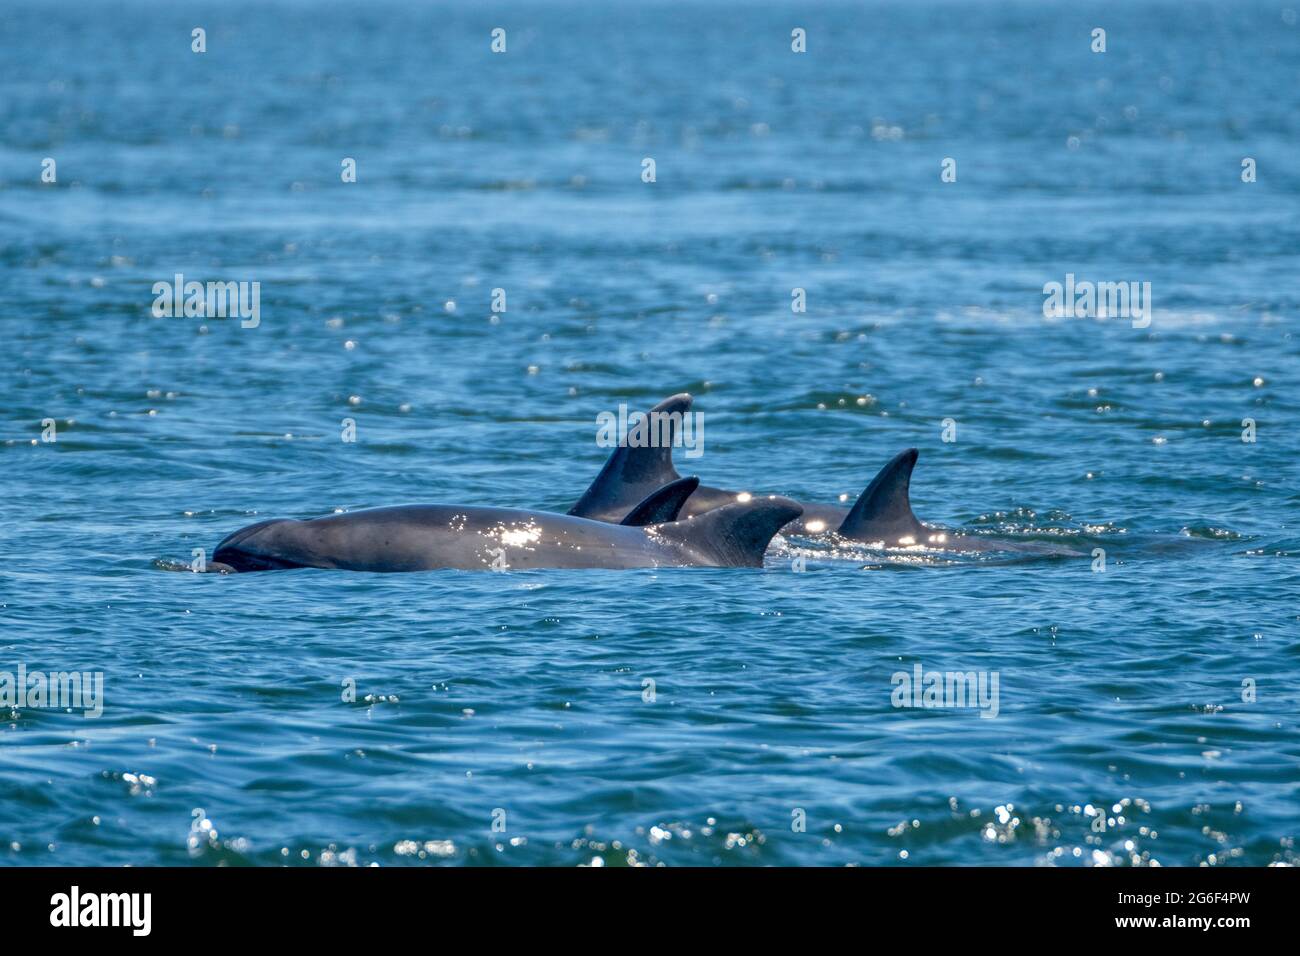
[
  {"x": 662, "y": 505},
  {"x": 631, "y": 473},
  {"x": 883, "y": 512},
  {"x": 735, "y": 535}
]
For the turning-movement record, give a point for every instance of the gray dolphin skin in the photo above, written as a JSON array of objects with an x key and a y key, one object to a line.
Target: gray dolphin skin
[
  {"x": 881, "y": 516},
  {"x": 632, "y": 472},
  {"x": 432, "y": 537}
]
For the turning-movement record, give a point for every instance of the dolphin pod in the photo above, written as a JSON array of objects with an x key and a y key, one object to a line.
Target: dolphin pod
[
  {"x": 639, "y": 512},
  {"x": 881, "y": 515},
  {"x": 433, "y": 537}
]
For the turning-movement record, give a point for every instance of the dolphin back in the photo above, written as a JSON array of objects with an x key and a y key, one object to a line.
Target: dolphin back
[
  {"x": 632, "y": 473},
  {"x": 735, "y": 535},
  {"x": 884, "y": 510},
  {"x": 664, "y": 504}
]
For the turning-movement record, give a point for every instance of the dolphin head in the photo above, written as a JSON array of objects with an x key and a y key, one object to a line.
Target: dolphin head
[{"x": 257, "y": 547}]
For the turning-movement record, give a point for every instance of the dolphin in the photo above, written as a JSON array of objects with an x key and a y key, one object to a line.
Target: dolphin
[
  {"x": 881, "y": 516},
  {"x": 632, "y": 472},
  {"x": 431, "y": 537}
]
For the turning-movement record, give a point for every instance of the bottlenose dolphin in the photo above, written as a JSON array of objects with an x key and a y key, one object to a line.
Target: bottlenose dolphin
[
  {"x": 882, "y": 514},
  {"x": 429, "y": 537},
  {"x": 632, "y": 472}
]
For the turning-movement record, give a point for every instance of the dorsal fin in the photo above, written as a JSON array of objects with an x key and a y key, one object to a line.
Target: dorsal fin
[
  {"x": 631, "y": 474},
  {"x": 662, "y": 505},
  {"x": 735, "y": 535},
  {"x": 883, "y": 512}
]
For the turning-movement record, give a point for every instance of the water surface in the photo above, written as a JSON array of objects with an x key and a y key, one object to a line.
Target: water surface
[{"x": 225, "y": 736}]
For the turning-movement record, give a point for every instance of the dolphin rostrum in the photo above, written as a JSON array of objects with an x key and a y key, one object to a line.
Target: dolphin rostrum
[{"x": 430, "y": 537}]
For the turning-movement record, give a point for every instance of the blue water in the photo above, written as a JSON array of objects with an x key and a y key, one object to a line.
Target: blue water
[{"x": 225, "y": 737}]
